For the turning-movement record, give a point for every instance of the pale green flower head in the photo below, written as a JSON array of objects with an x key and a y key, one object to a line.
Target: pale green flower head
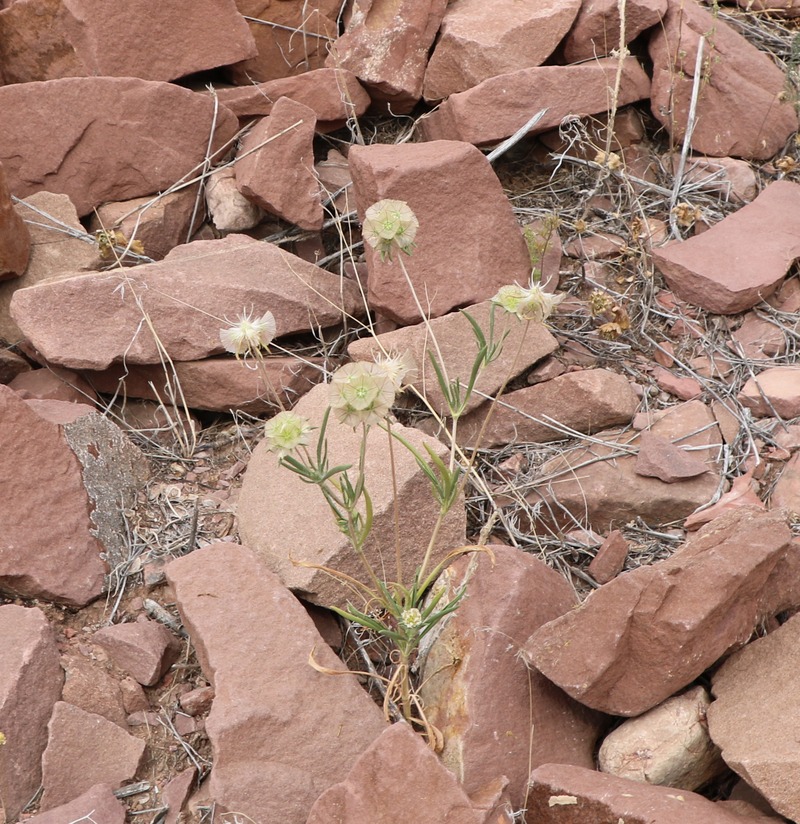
[
  {"x": 389, "y": 225},
  {"x": 411, "y": 618},
  {"x": 400, "y": 368},
  {"x": 248, "y": 335},
  {"x": 361, "y": 392},
  {"x": 527, "y": 304},
  {"x": 285, "y": 432}
]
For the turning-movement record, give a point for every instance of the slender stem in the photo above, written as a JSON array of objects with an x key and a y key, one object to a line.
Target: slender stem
[{"x": 396, "y": 505}]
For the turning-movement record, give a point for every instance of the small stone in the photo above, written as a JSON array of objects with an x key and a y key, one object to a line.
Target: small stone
[
  {"x": 144, "y": 649},
  {"x": 197, "y": 701},
  {"x": 774, "y": 391},
  {"x": 660, "y": 458},
  {"x": 230, "y": 210},
  {"x": 685, "y": 388},
  {"x": 176, "y": 793},
  {"x": 98, "y": 804},
  {"x": 610, "y": 558}
]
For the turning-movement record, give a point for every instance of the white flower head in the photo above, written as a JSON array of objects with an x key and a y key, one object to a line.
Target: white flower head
[
  {"x": 361, "y": 392},
  {"x": 285, "y": 432},
  {"x": 400, "y": 368},
  {"x": 528, "y": 304},
  {"x": 390, "y": 224},
  {"x": 248, "y": 335},
  {"x": 411, "y": 618}
]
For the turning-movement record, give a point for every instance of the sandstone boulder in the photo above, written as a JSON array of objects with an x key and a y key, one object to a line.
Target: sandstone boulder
[
  {"x": 477, "y": 41},
  {"x": 739, "y": 261},
  {"x": 522, "y": 347},
  {"x": 498, "y": 107},
  {"x": 511, "y": 721},
  {"x": 281, "y": 732},
  {"x": 108, "y": 126},
  {"x": 753, "y": 719},
  {"x": 741, "y": 109},
  {"x": 652, "y": 631},
  {"x": 188, "y": 297},
  {"x": 276, "y": 169},
  {"x": 30, "y": 684},
  {"x": 387, "y": 48},
  {"x": 272, "y": 497},
  {"x": 45, "y": 40},
  {"x": 448, "y": 185}
]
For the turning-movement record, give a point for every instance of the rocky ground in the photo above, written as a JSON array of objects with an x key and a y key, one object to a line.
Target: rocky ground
[{"x": 627, "y": 651}]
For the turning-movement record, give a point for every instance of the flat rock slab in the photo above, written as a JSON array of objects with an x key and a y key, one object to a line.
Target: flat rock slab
[
  {"x": 562, "y": 794},
  {"x": 662, "y": 459},
  {"x": 284, "y": 520},
  {"x": 742, "y": 259},
  {"x": 90, "y": 321},
  {"x": 30, "y": 684},
  {"x": 215, "y": 384},
  {"x": 98, "y": 804},
  {"x": 774, "y": 391},
  {"x": 754, "y": 718},
  {"x": 497, "y": 717},
  {"x": 84, "y": 749},
  {"x": 372, "y": 791},
  {"x": 498, "y": 107},
  {"x": 447, "y": 184},
  {"x": 653, "y": 630},
  {"x": 118, "y": 138},
  {"x": 46, "y": 41},
  {"x": 143, "y": 649},
  {"x": 741, "y": 109},
  {"x": 524, "y": 345},
  {"x": 478, "y": 41},
  {"x": 586, "y": 401},
  {"x": 281, "y": 732}
]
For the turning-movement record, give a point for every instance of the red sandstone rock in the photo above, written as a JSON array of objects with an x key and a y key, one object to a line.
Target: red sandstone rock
[
  {"x": 84, "y": 749},
  {"x": 143, "y": 649},
  {"x": 753, "y": 719},
  {"x": 668, "y": 745},
  {"x": 477, "y": 41},
  {"x": 758, "y": 338},
  {"x": 53, "y": 384},
  {"x": 177, "y": 792},
  {"x": 448, "y": 185},
  {"x": 562, "y": 794},
  {"x": 498, "y": 107},
  {"x": 740, "y": 260},
  {"x": 333, "y": 94},
  {"x": 496, "y": 717},
  {"x": 458, "y": 348},
  {"x": 291, "y": 38},
  {"x": 754, "y": 122},
  {"x": 743, "y": 493},
  {"x": 52, "y": 251},
  {"x": 660, "y": 458},
  {"x": 372, "y": 792},
  {"x": 197, "y": 701},
  {"x": 271, "y": 498},
  {"x": 735, "y": 180},
  {"x": 215, "y": 384},
  {"x": 281, "y": 732},
  {"x": 229, "y": 209},
  {"x": 386, "y": 47},
  {"x": 11, "y": 364},
  {"x": 108, "y": 126},
  {"x": 98, "y": 803},
  {"x": 184, "y": 297},
  {"x": 596, "y": 30},
  {"x": 279, "y": 176},
  {"x": 30, "y": 685},
  {"x": 774, "y": 391},
  {"x": 685, "y": 388},
  {"x": 786, "y": 492},
  {"x": 15, "y": 239},
  {"x": 586, "y": 401},
  {"x": 45, "y": 40},
  {"x": 653, "y": 630},
  {"x": 610, "y": 558},
  {"x": 90, "y": 687}
]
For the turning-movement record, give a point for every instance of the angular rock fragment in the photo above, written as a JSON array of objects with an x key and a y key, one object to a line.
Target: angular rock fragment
[
  {"x": 498, "y": 107},
  {"x": 84, "y": 749},
  {"x": 98, "y": 803},
  {"x": 143, "y": 649},
  {"x": 107, "y": 128},
  {"x": 387, "y": 48},
  {"x": 753, "y": 718},
  {"x": 774, "y": 391},
  {"x": 15, "y": 239},
  {"x": 271, "y": 498},
  {"x": 742, "y": 109},
  {"x": 477, "y": 41},
  {"x": 229, "y": 209},
  {"x": 449, "y": 185},
  {"x": 45, "y": 40},
  {"x": 660, "y": 458},
  {"x": 523, "y": 345},
  {"x": 496, "y": 717},
  {"x": 185, "y": 298},
  {"x": 30, "y": 684},
  {"x": 653, "y": 630},
  {"x": 610, "y": 558},
  {"x": 740, "y": 260},
  {"x": 281, "y": 732}
]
